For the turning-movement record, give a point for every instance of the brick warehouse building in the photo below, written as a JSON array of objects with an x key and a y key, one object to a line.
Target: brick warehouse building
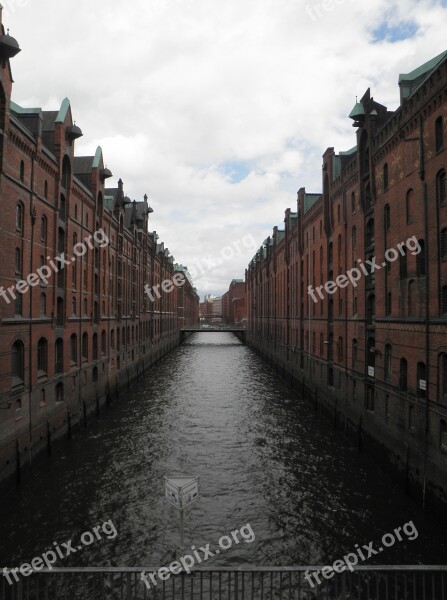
[
  {"x": 78, "y": 336},
  {"x": 373, "y": 355},
  {"x": 233, "y": 303}
]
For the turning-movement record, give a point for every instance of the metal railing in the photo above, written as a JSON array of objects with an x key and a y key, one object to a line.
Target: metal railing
[
  {"x": 214, "y": 327},
  {"x": 261, "y": 583}
]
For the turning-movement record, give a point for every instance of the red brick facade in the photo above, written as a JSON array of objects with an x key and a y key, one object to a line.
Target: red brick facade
[
  {"x": 233, "y": 304},
  {"x": 374, "y": 354},
  {"x": 75, "y": 338}
]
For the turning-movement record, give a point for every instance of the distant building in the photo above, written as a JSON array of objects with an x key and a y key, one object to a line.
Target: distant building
[{"x": 233, "y": 303}]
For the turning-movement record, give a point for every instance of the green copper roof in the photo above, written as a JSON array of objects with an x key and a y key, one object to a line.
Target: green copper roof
[
  {"x": 63, "y": 111},
  {"x": 97, "y": 159},
  {"x": 357, "y": 111},
  {"x": 423, "y": 69},
  {"x": 24, "y": 111},
  {"x": 309, "y": 200},
  {"x": 349, "y": 152}
]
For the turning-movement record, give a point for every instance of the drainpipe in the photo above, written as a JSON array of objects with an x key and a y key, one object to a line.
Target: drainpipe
[
  {"x": 30, "y": 361},
  {"x": 427, "y": 299}
]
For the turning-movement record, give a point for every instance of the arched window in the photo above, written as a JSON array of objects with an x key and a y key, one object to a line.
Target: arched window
[
  {"x": 420, "y": 260},
  {"x": 403, "y": 374},
  {"x": 411, "y": 297},
  {"x": 22, "y": 171},
  {"x": 389, "y": 304},
  {"x": 85, "y": 346},
  {"x": 403, "y": 263},
  {"x": 42, "y": 356},
  {"x": 421, "y": 380},
  {"x": 95, "y": 346},
  {"x": 43, "y": 230},
  {"x": 442, "y": 377},
  {"x": 443, "y": 435},
  {"x": 409, "y": 204},
  {"x": 19, "y": 216},
  {"x": 18, "y": 261},
  {"x": 444, "y": 300},
  {"x": 441, "y": 187},
  {"x": 59, "y": 356},
  {"x": 385, "y": 177},
  {"x": 43, "y": 305},
  {"x": 386, "y": 217},
  {"x": 439, "y": 134},
  {"x": 388, "y": 363},
  {"x": 73, "y": 348},
  {"x": 18, "y": 363},
  {"x": 443, "y": 242},
  {"x": 370, "y": 232}
]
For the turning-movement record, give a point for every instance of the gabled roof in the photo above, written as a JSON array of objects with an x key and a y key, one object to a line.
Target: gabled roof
[{"x": 409, "y": 82}]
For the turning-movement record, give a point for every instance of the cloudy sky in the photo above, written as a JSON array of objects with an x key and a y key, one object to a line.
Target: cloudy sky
[{"x": 219, "y": 111}]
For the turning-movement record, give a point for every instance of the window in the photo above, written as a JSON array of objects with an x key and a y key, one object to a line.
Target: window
[
  {"x": 403, "y": 375},
  {"x": 421, "y": 380},
  {"x": 118, "y": 339},
  {"x": 95, "y": 374},
  {"x": 103, "y": 342},
  {"x": 45, "y": 190},
  {"x": 388, "y": 355},
  {"x": 420, "y": 260},
  {"x": 443, "y": 435},
  {"x": 85, "y": 346},
  {"x": 43, "y": 230},
  {"x": 18, "y": 363},
  {"x": 19, "y": 216},
  {"x": 442, "y": 376},
  {"x": 338, "y": 213},
  {"x": 385, "y": 177},
  {"x": 340, "y": 349},
  {"x": 444, "y": 300},
  {"x": 85, "y": 306},
  {"x": 321, "y": 344},
  {"x": 112, "y": 339},
  {"x": 444, "y": 244},
  {"x": 354, "y": 353},
  {"x": 73, "y": 306},
  {"x": 42, "y": 356},
  {"x": 18, "y": 304},
  {"x": 59, "y": 356},
  {"x": 22, "y": 171},
  {"x": 409, "y": 203},
  {"x": 60, "y": 392},
  {"x": 370, "y": 400},
  {"x": 43, "y": 305},
  {"x": 440, "y": 187},
  {"x": 403, "y": 263},
  {"x": 370, "y": 232},
  {"x": 95, "y": 346},
  {"x": 73, "y": 348},
  {"x": 353, "y": 202},
  {"x": 18, "y": 261},
  {"x": 439, "y": 134},
  {"x": 389, "y": 304},
  {"x": 386, "y": 218},
  {"x": 411, "y": 297}
]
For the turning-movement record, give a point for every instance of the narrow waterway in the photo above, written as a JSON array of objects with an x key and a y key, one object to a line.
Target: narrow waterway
[{"x": 215, "y": 409}]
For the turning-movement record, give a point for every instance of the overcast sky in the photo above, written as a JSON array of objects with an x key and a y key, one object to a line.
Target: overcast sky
[{"x": 219, "y": 111}]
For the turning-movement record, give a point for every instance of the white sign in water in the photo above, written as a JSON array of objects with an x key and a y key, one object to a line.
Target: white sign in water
[{"x": 182, "y": 491}]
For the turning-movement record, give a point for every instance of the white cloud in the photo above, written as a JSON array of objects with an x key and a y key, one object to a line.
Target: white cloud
[{"x": 174, "y": 89}]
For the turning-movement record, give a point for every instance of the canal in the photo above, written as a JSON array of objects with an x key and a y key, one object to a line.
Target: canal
[{"x": 265, "y": 458}]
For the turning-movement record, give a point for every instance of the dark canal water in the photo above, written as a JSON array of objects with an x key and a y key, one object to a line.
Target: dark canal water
[{"x": 213, "y": 408}]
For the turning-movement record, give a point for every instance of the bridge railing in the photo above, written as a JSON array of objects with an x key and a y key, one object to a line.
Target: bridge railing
[
  {"x": 262, "y": 583},
  {"x": 214, "y": 327}
]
